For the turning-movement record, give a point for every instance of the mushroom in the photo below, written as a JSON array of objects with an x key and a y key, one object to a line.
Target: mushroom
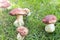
[
  {"x": 4, "y": 4},
  {"x": 19, "y": 13},
  {"x": 28, "y": 11},
  {"x": 50, "y": 20},
  {"x": 22, "y": 32}
]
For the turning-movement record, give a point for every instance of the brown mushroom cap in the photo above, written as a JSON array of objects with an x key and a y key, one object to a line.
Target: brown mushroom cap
[
  {"x": 49, "y": 19},
  {"x": 18, "y": 11},
  {"x": 22, "y": 30},
  {"x": 4, "y": 3}
]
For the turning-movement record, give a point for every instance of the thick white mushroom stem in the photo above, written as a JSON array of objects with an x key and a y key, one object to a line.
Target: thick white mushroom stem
[
  {"x": 19, "y": 37},
  {"x": 50, "y": 28},
  {"x": 19, "y": 21}
]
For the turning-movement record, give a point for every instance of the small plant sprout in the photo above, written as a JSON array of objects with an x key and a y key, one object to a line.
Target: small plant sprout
[
  {"x": 22, "y": 32},
  {"x": 50, "y": 20},
  {"x": 4, "y": 4},
  {"x": 19, "y": 13}
]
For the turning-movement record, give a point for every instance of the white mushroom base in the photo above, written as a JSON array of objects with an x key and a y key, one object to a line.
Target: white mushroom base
[
  {"x": 19, "y": 37},
  {"x": 19, "y": 21},
  {"x": 50, "y": 28}
]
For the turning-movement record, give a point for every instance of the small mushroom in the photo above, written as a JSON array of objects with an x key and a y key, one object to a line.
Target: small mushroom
[
  {"x": 4, "y": 4},
  {"x": 19, "y": 13},
  {"x": 28, "y": 11},
  {"x": 50, "y": 20},
  {"x": 22, "y": 32}
]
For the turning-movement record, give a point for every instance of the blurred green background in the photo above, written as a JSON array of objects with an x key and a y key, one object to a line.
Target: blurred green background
[{"x": 39, "y": 9}]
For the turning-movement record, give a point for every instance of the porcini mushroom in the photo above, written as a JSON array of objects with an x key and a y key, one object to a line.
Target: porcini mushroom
[
  {"x": 19, "y": 13},
  {"x": 22, "y": 32},
  {"x": 50, "y": 20},
  {"x": 4, "y": 4}
]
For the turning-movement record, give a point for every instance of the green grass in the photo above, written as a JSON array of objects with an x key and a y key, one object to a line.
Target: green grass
[{"x": 39, "y": 9}]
